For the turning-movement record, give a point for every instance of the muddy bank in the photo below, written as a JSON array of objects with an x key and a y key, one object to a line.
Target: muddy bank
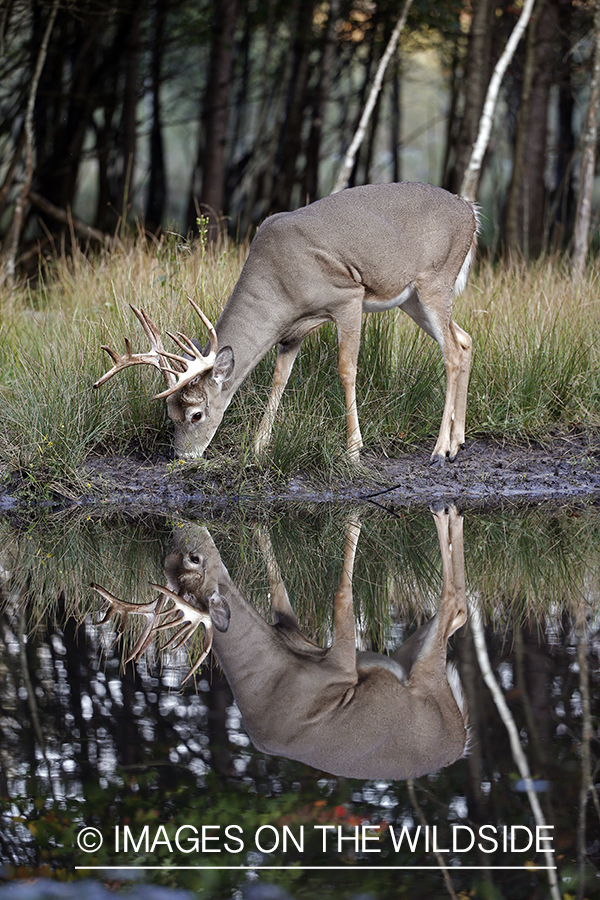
[{"x": 486, "y": 474}]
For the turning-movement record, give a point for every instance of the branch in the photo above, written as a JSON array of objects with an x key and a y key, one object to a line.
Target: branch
[
  {"x": 15, "y": 228},
  {"x": 80, "y": 228},
  {"x": 473, "y": 171},
  {"x": 346, "y": 168}
]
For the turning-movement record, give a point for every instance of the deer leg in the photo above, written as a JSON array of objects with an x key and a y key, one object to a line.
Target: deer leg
[
  {"x": 343, "y": 647},
  {"x": 457, "y": 433},
  {"x": 432, "y": 311},
  {"x": 280, "y": 601},
  {"x": 349, "y": 344},
  {"x": 286, "y": 355},
  {"x": 452, "y": 353}
]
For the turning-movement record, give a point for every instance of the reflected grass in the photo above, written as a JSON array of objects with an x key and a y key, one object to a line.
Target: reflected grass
[
  {"x": 544, "y": 560},
  {"x": 535, "y": 564}
]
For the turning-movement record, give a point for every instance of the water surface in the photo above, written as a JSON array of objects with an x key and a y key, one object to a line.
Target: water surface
[{"x": 168, "y": 775}]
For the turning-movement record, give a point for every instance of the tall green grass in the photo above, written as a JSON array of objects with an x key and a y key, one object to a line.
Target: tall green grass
[{"x": 535, "y": 365}]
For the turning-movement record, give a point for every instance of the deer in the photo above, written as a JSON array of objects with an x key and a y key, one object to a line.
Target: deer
[
  {"x": 364, "y": 249},
  {"x": 356, "y": 714}
]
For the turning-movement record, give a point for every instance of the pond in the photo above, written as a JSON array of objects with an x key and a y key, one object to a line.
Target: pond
[{"x": 329, "y": 774}]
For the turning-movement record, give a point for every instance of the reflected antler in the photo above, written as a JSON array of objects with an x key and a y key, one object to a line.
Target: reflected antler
[
  {"x": 181, "y": 616},
  {"x": 177, "y": 370}
]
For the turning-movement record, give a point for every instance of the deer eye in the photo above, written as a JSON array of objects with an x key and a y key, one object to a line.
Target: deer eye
[
  {"x": 194, "y": 558},
  {"x": 198, "y": 416}
]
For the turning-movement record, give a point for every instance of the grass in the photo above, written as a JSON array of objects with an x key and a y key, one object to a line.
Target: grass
[
  {"x": 538, "y": 563},
  {"x": 535, "y": 366}
]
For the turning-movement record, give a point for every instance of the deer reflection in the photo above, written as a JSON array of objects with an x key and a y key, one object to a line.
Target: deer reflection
[{"x": 350, "y": 713}]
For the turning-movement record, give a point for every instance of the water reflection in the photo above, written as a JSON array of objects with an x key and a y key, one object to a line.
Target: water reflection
[
  {"x": 83, "y": 741},
  {"x": 358, "y": 714}
]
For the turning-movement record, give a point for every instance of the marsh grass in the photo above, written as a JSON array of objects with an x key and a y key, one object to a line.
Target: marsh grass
[{"x": 535, "y": 366}]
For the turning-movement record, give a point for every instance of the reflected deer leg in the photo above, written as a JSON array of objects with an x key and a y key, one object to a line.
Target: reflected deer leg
[
  {"x": 423, "y": 655},
  {"x": 453, "y": 604},
  {"x": 286, "y": 355},
  {"x": 280, "y": 601},
  {"x": 343, "y": 647}
]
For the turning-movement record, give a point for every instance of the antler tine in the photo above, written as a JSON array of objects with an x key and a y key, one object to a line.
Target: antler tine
[
  {"x": 189, "y": 618},
  {"x": 182, "y": 616},
  {"x": 150, "y": 610},
  {"x": 214, "y": 342},
  {"x": 198, "y": 362},
  {"x": 153, "y": 357}
]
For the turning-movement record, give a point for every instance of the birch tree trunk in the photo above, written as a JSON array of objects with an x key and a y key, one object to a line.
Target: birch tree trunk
[
  {"x": 470, "y": 182},
  {"x": 588, "y": 162},
  {"x": 346, "y": 168},
  {"x": 478, "y": 65},
  {"x": 12, "y": 240}
]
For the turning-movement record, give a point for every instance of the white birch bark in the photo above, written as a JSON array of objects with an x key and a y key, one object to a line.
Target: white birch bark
[
  {"x": 473, "y": 172},
  {"x": 588, "y": 162},
  {"x": 513, "y": 736},
  {"x": 346, "y": 167}
]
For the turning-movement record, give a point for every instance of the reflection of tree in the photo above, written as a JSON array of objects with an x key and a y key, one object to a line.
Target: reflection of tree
[{"x": 130, "y": 745}]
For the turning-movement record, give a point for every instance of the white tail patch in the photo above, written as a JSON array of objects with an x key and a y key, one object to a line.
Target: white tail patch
[
  {"x": 457, "y": 689},
  {"x": 461, "y": 281}
]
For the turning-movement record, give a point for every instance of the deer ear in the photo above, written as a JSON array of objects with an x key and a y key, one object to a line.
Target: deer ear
[
  {"x": 219, "y": 611},
  {"x": 223, "y": 366}
]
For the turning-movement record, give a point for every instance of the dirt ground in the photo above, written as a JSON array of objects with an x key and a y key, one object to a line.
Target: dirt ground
[{"x": 485, "y": 474}]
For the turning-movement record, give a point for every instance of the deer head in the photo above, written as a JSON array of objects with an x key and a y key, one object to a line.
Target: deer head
[{"x": 194, "y": 381}]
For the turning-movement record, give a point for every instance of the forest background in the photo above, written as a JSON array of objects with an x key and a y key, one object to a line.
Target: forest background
[{"x": 152, "y": 111}]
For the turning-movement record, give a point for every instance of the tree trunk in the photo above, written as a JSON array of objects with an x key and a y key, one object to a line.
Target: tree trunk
[
  {"x": 470, "y": 182},
  {"x": 527, "y": 200},
  {"x": 518, "y": 191},
  {"x": 291, "y": 131},
  {"x": 311, "y": 173},
  {"x": 157, "y": 187},
  {"x": 12, "y": 239},
  {"x": 477, "y": 72},
  {"x": 588, "y": 161},
  {"x": 128, "y": 116},
  {"x": 215, "y": 117},
  {"x": 396, "y": 122}
]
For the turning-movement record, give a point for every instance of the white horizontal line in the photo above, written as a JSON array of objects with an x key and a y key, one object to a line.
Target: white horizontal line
[{"x": 352, "y": 868}]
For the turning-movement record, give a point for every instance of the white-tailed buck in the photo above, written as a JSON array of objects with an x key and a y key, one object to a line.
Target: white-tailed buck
[
  {"x": 354, "y": 714},
  {"x": 365, "y": 249}
]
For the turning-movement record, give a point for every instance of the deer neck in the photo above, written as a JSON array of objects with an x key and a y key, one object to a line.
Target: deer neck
[
  {"x": 247, "y": 648},
  {"x": 247, "y": 326}
]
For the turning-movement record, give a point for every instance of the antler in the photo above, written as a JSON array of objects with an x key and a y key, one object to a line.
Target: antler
[
  {"x": 191, "y": 367},
  {"x": 181, "y": 369},
  {"x": 152, "y": 358},
  {"x": 182, "y": 616}
]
